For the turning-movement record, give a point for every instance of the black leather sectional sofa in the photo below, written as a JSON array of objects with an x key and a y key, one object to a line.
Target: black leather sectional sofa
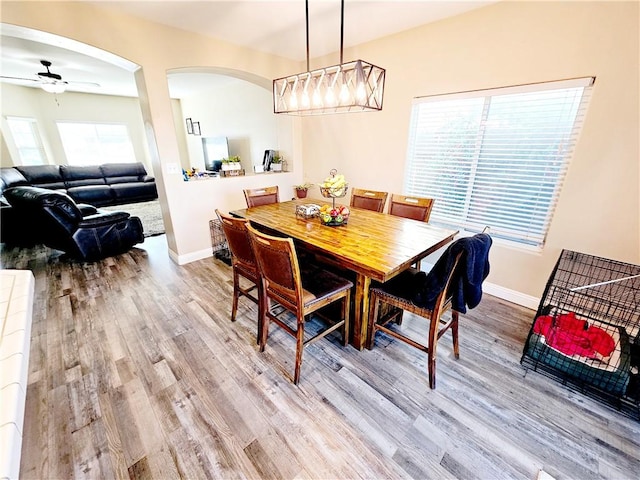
[{"x": 98, "y": 186}]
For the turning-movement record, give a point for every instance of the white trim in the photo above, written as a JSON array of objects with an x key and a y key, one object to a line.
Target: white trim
[
  {"x": 190, "y": 257},
  {"x": 512, "y": 296},
  {"x": 525, "y": 88}
]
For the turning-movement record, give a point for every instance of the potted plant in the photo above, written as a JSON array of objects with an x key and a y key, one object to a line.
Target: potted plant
[
  {"x": 231, "y": 163},
  {"x": 276, "y": 163},
  {"x": 301, "y": 190}
]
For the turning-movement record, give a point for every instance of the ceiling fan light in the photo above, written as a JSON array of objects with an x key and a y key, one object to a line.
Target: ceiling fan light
[{"x": 53, "y": 87}]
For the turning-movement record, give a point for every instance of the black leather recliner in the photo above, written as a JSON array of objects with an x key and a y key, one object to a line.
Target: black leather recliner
[{"x": 80, "y": 230}]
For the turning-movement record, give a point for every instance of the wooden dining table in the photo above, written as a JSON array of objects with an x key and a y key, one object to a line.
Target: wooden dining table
[{"x": 375, "y": 246}]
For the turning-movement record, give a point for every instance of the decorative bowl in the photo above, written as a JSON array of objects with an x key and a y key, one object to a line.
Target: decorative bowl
[
  {"x": 334, "y": 216},
  {"x": 332, "y": 192}
]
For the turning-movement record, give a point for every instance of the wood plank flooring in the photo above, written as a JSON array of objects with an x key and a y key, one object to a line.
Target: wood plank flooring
[{"x": 136, "y": 371}]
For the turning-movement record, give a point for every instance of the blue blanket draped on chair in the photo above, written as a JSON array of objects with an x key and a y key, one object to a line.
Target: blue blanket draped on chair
[{"x": 466, "y": 286}]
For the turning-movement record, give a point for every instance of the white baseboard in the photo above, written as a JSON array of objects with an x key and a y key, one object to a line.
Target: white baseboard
[
  {"x": 512, "y": 296},
  {"x": 190, "y": 257}
]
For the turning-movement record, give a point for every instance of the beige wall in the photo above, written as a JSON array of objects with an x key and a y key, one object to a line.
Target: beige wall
[
  {"x": 240, "y": 111},
  {"x": 47, "y": 109},
  {"x": 504, "y": 44}
]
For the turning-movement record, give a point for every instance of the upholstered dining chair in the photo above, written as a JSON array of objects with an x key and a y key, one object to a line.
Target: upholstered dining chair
[
  {"x": 407, "y": 206},
  {"x": 261, "y": 196},
  {"x": 416, "y": 208},
  {"x": 243, "y": 262},
  {"x": 368, "y": 199},
  {"x": 286, "y": 288},
  {"x": 454, "y": 283}
]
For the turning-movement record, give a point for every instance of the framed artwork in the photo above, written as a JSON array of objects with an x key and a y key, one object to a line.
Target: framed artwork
[
  {"x": 189, "y": 126},
  {"x": 196, "y": 128}
]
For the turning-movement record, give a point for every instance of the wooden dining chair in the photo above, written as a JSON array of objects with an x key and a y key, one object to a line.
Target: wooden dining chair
[
  {"x": 243, "y": 262},
  {"x": 368, "y": 199},
  {"x": 442, "y": 290},
  {"x": 285, "y": 288},
  {"x": 261, "y": 196},
  {"x": 416, "y": 208}
]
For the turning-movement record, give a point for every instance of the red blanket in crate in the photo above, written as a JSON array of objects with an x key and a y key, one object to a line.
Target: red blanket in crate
[{"x": 573, "y": 336}]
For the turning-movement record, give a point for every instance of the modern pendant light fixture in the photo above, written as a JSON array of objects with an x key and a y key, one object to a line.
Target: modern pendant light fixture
[{"x": 355, "y": 86}]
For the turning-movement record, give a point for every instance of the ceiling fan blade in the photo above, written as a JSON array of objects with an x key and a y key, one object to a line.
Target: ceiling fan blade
[
  {"x": 86, "y": 84},
  {"x": 19, "y": 78}
]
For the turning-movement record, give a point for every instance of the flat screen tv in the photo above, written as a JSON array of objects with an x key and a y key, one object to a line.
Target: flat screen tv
[{"x": 215, "y": 149}]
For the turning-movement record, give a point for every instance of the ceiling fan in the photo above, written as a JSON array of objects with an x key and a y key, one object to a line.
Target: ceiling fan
[{"x": 49, "y": 81}]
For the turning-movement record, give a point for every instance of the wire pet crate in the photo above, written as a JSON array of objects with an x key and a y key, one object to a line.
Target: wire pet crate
[
  {"x": 586, "y": 332},
  {"x": 219, "y": 241}
]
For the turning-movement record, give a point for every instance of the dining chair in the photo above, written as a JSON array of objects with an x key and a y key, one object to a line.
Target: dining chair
[
  {"x": 286, "y": 288},
  {"x": 416, "y": 208},
  {"x": 261, "y": 196},
  {"x": 368, "y": 199},
  {"x": 243, "y": 262},
  {"x": 454, "y": 283}
]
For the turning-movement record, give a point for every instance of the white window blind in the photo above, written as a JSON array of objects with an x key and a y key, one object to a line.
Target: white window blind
[
  {"x": 96, "y": 143},
  {"x": 496, "y": 157},
  {"x": 26, "y": 137}
]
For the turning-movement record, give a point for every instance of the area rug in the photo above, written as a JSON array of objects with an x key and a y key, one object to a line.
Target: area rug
[{"x": 149, "y": 213}]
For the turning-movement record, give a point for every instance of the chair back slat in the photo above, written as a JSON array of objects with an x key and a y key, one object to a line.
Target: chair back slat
[
  {"x": 416, "y": 208},
  {"x": 368, "y": 199},
  {"x": 235, "y": 230},
  {"x": 278, "y": 264},
  {"x": 261, "y": 196}
]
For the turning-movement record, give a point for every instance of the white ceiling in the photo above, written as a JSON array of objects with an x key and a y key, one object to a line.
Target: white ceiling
[{"x": 276, "y": 27}]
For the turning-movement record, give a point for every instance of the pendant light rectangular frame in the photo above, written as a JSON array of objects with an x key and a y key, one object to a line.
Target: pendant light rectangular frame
[{"x": 349, "y": 87}]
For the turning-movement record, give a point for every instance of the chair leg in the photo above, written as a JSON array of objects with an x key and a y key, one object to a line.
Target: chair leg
[
  {"x": 299, "y": 350},
  {"x": 454, "y": 333},
  {"x": 260, "y": 314},
  {"x": 346, "y": 306},
  {"x": 236, "y": 295},
  {"x": 432, "y": 370},
  {"x": 432, "y": 349},
  {"x": 264, "y": 320}
]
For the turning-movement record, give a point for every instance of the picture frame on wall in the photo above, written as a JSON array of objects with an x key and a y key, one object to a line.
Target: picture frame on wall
[
  {"x": 196, "y": 128},
  {"x": 189, "y": 126}
]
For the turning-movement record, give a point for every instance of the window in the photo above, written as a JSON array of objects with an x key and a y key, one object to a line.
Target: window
[
  {"x": 496, "y": 157},
  {"x": 26, "y": 137},
  {"x": 96, "y": 143}
]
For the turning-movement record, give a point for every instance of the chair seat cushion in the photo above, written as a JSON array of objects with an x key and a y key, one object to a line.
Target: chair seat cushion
[
  {"x": 319, "y": 283},
  {"x": 404, "y": 285}
]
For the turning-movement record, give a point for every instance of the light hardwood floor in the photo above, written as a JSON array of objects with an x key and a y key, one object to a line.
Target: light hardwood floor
[{"x": 136, "y": 371}]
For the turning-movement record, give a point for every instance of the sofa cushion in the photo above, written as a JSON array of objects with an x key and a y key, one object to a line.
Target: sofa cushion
[
  {"x": 45, "y": 176},
  {"x": 111, "y": 170},
  {"x": 10, "y": 177},
  {"x": 96, "y": 195},
  {"x": 128, "y": 179},
  {"x": 134, "y": 191},
  {"x": 75, "y": 176}
]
